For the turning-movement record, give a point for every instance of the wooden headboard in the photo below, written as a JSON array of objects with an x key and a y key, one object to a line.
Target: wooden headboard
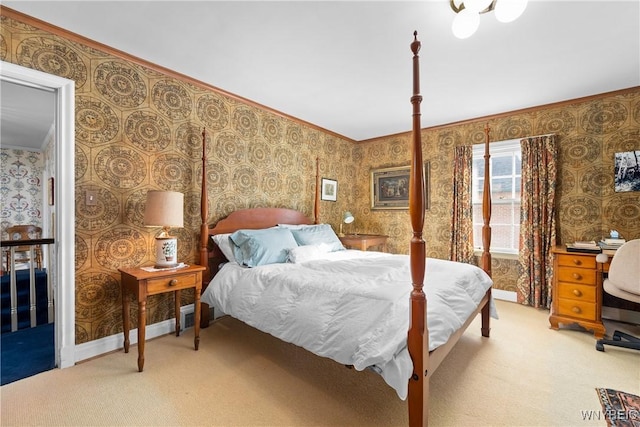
[{"x": 210, "y": 255}]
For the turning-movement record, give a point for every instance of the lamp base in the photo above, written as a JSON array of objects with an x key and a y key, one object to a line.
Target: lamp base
[{"x": 166, "y": 252}]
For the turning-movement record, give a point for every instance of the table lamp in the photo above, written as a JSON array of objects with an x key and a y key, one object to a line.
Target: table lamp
[
  {"x": 347, "y": 218},
  {"x": 165, "y": 209}
]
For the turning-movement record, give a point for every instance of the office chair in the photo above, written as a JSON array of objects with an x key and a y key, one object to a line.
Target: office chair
[{"x": 623, "y": 282}]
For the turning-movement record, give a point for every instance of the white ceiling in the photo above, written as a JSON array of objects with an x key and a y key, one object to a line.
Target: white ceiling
[
  {"x": 346, "y": 65},
  {"x": 26, "y": 116}
]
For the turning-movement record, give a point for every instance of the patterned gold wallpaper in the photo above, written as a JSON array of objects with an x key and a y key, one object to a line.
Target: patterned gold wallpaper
[
  {"x": 139, "y": 129},
  {"x": 589, "y": 132}
]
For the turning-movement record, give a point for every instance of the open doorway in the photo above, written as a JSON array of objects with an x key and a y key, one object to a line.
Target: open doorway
[{"x": 61, "y": 215}]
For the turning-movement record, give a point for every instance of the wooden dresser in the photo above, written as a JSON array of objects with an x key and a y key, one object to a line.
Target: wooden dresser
[{"x": 577, "y": 290}]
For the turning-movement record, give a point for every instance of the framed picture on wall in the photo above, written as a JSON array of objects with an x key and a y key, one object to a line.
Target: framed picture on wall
[
  {"x": 390, "y": 187},
  {"x": 329, "y": 190},
  {"x": 627, "y": 171},
  {"x": 50, "y": 191}
]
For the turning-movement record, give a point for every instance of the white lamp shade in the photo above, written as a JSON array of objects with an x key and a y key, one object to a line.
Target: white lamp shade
[
  {"x": 509, "y": 10},
  {"x": 164, "y": 209},
  {"x": 465, "y": 23},
  {"x": 348, "y": 218}
]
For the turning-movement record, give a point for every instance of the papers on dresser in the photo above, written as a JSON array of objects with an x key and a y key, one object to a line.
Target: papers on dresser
[{"x": 589, "y": 246}]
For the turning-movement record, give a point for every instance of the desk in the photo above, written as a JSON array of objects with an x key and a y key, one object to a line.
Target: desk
[
  {"x": 577, "y": 290},
  {"x": 141, "y": 283},
  {"x": 364, "y": 241}
]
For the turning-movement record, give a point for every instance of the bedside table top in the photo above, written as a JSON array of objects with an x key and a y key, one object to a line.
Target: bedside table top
[
  {"x": 364, "y": 241},
  {"x": 139, "y": 273}
]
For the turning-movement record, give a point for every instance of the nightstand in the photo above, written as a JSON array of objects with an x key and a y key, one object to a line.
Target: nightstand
[
  {"x": 141, "y": 283},
  {"x": 577, "y": 290},
  {"x": 364, "y": 241}
]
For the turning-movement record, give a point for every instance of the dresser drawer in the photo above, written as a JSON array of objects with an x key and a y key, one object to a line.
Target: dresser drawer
[
  {"x": 580, "y": 261},
  {"x": 577, "y": 275},
  {"x": 171, "y": 283},
  {"x": 576, "y": 291},
  {"x": 578, "y": 309}
]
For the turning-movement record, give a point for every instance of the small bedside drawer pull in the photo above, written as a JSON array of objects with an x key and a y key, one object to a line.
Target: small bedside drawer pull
[
  {"x": 577, "y": 292},
  {"x": 576, "y": 310},
  {"x": 173, "y": 282},
  {"x": 576, "y": 261},
  {"x": 577, "y": 276}
]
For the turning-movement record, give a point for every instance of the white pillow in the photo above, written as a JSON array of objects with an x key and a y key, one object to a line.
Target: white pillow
[
  {"x": 222, "y": 240},
  {"x": 308, "y": 253}
]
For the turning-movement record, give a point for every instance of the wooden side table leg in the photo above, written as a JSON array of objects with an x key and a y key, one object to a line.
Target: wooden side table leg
[
  {"x": 125, "y": 320},
  {"x": 177, "y": 307},
  {"x": 142, "y": 321},
  {"x": 196, "y": 321}
]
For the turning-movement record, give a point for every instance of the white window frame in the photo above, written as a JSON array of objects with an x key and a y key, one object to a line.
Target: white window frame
[{"x": 498, "y": 149}]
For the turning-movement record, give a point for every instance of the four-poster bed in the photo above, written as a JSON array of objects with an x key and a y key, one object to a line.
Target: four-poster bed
[{"x": 422, "y": 355}]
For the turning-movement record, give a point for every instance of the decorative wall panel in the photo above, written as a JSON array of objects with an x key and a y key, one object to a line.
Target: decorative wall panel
[{"x": 21, "y": 188}]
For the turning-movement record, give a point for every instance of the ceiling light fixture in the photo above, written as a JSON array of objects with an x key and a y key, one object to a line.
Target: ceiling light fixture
[{"x": 468, "y": 13}]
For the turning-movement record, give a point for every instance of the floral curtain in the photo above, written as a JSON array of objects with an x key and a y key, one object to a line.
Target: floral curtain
[
  {"x": 537, "y": 220},
  {"x": 462, "y": 222}
]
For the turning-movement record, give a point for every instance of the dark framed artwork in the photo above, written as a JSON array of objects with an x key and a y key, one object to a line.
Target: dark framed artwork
[
  {"x": 390, "y": 187},
  {"x": 627, "y": 171},
  {"x": 329, "y": 190}
]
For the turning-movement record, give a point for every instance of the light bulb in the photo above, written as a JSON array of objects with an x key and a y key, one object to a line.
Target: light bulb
[
  {"x": 465, "y": 24},
  {"x": 509, "y": 10},
  {"x": 476, "y": 5}
]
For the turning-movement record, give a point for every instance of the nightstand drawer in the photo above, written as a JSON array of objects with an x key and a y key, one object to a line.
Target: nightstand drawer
[
  {"x": 575, "y": 291},
  {"x": 578, "y": 309},
  {"x": 580, "y": 261},
  {"x": 171, "y": 283},
  {"x": 577, "y": 275}
]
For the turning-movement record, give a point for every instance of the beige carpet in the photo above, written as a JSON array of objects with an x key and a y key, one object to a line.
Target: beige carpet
[{"x": 525, "y": 374}]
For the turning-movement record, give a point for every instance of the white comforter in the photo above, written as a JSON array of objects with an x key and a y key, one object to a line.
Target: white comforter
[{"x": 351, "y": 306}]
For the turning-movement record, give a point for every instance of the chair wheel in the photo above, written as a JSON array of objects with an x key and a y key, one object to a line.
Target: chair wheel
[{"x": 599, "y": 346}]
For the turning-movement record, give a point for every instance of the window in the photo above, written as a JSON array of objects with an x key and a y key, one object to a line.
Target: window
[{"x": 505, "y": 166}]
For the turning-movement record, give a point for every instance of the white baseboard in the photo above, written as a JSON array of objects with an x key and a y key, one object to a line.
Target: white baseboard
[
  {"x": 504, "y": 295},
  {"x": 116, "y": 342}
]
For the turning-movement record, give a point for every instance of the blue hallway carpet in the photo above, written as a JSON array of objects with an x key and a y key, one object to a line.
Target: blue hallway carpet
[{"x": 26, "y": 352}]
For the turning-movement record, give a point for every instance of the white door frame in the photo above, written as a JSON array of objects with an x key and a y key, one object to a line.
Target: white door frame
[{"x": 64, "y": 292}]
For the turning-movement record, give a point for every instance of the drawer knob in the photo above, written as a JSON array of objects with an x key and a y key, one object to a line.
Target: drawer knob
[
  {"x": 577, "y": 292},
  {"x": 576, "y": 261},
  {"x": 576, "y": 310},
  {"x": 577, "y": 276},
  {"x": 173, "y": 282}
]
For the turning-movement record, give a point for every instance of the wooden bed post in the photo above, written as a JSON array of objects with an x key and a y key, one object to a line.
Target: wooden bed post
[
  {"x": 204, "y": 211},
  {"x": 418, "y": 335},
  {"x": 486, "y": 228},
  {"x": 316, "y": 203},
  {"x": 204, "y": 229}
]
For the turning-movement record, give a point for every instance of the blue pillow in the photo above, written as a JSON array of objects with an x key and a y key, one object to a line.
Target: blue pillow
[
  {"x": 252, "y": 248},
  {"x": 317, "y": 234}
]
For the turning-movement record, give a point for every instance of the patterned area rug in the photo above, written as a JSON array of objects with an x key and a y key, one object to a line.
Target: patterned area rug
[{"x": 620, "y": 409}]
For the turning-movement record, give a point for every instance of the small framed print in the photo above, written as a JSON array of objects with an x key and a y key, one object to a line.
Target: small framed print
[
  {"x": 329, "y": 190},
  {"x": 390, "y": 187},
  {"x": 51, "y": 189},
  {"x": 627, "y": 171}
]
